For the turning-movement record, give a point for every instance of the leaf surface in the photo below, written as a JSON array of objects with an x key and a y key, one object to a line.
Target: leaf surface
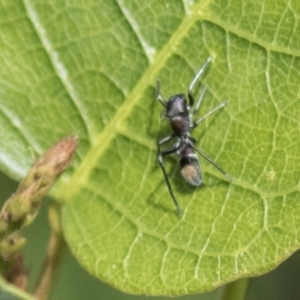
[{"x": 89, "y": 68}]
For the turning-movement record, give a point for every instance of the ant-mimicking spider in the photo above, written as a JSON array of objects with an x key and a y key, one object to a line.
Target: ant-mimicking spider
[{"x": 180, "y": 115}]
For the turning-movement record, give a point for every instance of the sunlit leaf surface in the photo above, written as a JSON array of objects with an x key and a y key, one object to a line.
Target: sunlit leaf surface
[{"x": 90, "y": 67}]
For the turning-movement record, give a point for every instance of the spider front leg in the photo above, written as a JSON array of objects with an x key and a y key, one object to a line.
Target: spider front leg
[
  {"x": 158, "y": 95},
  {"x": 198, "y": 104},
  {"x": 160, "y": 155},
  {"x": 191, "y": 86}
]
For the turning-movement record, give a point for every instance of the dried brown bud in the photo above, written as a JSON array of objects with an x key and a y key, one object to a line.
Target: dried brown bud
[
  {"x": 17, "y": 274},
  {"x": 50, "y": 165},
  {"x": 21, "y": 208}
]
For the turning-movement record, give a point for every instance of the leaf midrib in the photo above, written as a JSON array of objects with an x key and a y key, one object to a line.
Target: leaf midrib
[{"x": 103, "y": 139}]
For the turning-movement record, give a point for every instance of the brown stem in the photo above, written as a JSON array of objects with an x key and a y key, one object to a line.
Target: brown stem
[{"x": 55, "y": 251}]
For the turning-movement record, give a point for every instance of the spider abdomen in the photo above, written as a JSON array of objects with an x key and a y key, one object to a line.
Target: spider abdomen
[{"x": 190, "y": 169}]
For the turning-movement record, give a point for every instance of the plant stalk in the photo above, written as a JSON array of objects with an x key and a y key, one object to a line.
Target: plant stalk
[
  {"x": 235, "y": 290},
  {"x": 54, "y": 254}
]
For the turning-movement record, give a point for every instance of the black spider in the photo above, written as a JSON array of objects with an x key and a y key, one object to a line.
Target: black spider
[{"x": 180, "y": 116}]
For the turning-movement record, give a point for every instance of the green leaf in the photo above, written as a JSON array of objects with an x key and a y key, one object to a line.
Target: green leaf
[{"x": 90, "y": 68}]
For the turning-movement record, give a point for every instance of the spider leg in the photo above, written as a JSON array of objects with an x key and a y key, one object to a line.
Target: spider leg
[
  {"x": 158, "y": 95},
  {"x": 196, "y": 123},
  {"x": 191, "y": 86},
  {"x": 199, "y": 101},
  {"x": 160, "y": 155},
  {"x": 209, "y": 160}
]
